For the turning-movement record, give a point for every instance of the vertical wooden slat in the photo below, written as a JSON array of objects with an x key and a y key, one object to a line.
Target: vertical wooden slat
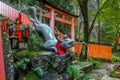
[
  {"x": 72, "y": 31},
  {"x": 52, "y": 12}
]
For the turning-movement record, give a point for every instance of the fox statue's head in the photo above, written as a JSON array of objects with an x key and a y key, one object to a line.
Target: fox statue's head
[{"x": 66, "y": 42}]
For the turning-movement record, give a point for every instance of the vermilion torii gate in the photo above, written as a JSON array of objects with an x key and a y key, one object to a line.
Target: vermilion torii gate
[
  {"x": 13, "y": 13},
  {"x": 63, "y": 19}
]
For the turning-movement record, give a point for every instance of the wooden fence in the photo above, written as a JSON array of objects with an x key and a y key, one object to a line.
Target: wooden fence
[{"x": 96, "y": 50}]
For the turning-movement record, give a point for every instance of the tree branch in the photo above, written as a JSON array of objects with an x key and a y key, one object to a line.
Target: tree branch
[{"x": 92, "y": 25}]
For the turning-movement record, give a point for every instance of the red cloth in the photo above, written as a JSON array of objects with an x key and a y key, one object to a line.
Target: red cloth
[
  {"x": 20, "y": 17},
  {"x": 60, "y": 50}
]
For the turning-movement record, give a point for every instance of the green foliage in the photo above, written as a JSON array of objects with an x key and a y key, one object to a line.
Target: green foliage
[
  {"x": 116, "y": 58},
  {"x": 25, "y": 3},
  {"x": 69, "y": 5},
  {"x": 73, "y": 71},
  {"x": 35, "y": 42},
  {"x": 24, "y": 66},
  {"x": 22, "y": 63},
  {"x": 86, "y": 76},
  {"x": 39, "y": 71},
  {"x": 53, "y": 64},
  {"x": 110, "y": 17},
  {"x": 29, "y": 76},
  {"x": 108, "y": 34},
  {"x": 2, "y": 17},
  {"x": 115, "y": 72}
]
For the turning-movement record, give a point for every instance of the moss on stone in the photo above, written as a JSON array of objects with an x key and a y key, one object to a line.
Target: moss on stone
[
  {"x": 27, "y": 53},
  {"x": 29, "y": 76}
]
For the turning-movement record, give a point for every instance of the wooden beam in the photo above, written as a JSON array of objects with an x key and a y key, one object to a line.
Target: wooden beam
[
  {"x": 63, "y": 20},
  {"x": 59, "y": 19}
]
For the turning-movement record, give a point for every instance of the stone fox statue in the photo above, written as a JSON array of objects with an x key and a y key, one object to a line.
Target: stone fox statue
[
  {"x": 45, "y": 30},
  {"x": 66, "y": 42}
]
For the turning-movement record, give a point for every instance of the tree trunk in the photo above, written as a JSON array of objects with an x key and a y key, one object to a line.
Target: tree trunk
[
  {"x": 87, "y": 30},
  {"x": 98, "y": 37},
  {"x": 84, "y": 9}
]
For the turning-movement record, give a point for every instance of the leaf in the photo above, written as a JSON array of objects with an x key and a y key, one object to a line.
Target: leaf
[
  {"x": 69, "y": 70},
  {"x": 26, "y": 60},
  {"x": 39, "y": 71},
  {"x": 24, "y": 66},
  {"x": 73, "y": 70}
]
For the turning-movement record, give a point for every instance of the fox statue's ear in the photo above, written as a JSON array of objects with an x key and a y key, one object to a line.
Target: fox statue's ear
[{"x": 34, "y": 15}]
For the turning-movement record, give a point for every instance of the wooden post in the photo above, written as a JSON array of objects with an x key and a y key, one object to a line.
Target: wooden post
[
  {"x": 2, "y": 68},
  {"x": 52, "y": 12},
  {"x": 72, "y": 31}
]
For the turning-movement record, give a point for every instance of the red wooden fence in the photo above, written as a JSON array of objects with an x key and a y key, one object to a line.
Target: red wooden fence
[{"x": 96, "y": 50}]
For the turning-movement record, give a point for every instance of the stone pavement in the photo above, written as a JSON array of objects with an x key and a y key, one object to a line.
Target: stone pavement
[{"x": 106, "y": 77}]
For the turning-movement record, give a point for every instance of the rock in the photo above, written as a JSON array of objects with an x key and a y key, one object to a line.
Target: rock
[
  {"x": 8, "y": 57},
  {"x": 102, "y": 72},
  {"x": 65, "y": 76},
  {"x": 52, "y": 76},
  {"x": 94, "y": 76},
  {"x": 115, "y": 71},
  {"x": 106, "y": 77},
  {"x": 109, "y": 67},
  {"x": 52, "y": 64},
  {"x": 62, "y": 61},
  {"x": 48, "y": 59},
  {"x": 42, "y": 60}
]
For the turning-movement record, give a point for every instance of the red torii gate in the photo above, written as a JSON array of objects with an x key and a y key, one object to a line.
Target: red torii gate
[{"x": 53, "y": 17}]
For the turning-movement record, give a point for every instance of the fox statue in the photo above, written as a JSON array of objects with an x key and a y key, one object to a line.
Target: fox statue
[{"x": 45, "y": 30}]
